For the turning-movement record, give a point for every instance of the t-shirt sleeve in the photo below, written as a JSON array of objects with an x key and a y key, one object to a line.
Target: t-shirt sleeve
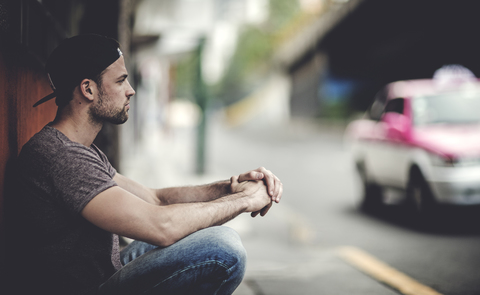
[{"x": 79, "y": 174}]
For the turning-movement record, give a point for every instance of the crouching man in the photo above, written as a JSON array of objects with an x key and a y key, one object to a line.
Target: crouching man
[{"x": 69, "y": 204}]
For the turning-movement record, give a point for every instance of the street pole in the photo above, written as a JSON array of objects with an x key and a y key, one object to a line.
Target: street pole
[{"x": 201, "y": 97}]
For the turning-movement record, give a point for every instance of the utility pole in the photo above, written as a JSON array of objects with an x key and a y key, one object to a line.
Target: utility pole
[{"x": 201, "y": 98}]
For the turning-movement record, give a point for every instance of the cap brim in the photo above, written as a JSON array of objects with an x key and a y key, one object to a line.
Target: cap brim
[{"x": 45, "y": 99}]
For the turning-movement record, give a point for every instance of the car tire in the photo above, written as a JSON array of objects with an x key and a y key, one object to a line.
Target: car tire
[
  {"x": 420, "y": 197},
  {"x": 372, "y": 200},
  {"x": 372, "y": 194}
]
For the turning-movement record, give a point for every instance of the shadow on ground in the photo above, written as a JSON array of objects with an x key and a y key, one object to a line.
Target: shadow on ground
[{"x": 451, "y": 220}]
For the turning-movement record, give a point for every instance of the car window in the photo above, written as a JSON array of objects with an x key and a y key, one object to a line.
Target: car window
[
  {"x": 455, "y": 107},
  {"x": 376, "y": 110},
  {"x": 395, "y": 106}
]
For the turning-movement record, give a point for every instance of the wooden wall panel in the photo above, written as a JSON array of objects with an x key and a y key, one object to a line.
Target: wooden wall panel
[
  {"x": 32, "y": 84},
  {"x": 22, "y": 83}
]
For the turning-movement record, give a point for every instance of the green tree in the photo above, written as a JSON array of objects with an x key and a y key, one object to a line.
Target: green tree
[{"x": 251, "y": 61}]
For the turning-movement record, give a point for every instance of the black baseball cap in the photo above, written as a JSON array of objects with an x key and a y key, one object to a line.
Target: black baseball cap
[{"x": 77, "y": 58}]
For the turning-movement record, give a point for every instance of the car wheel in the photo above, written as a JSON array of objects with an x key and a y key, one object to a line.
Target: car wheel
[
  {"x": 420, "y": 197},
  {"x": 372, "y": 194}
]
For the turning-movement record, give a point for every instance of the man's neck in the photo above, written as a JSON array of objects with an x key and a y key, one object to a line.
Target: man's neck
[{"x": 76, "y": 128}]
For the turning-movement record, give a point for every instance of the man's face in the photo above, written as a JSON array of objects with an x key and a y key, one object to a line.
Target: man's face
[{"x": 113, "y": 95}]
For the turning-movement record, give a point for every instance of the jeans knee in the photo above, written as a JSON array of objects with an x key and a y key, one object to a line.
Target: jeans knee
[
  {"x": 231, "y": 253},
  {"x": 212, "y": 260},
  {"x": 228, "y": 245}
]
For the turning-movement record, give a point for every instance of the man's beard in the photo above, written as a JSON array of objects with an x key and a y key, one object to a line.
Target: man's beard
[{"x": 100, "y": 113}]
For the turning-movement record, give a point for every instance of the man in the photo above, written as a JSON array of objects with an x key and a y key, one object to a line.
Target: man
[{"x": 70, "y": 203}]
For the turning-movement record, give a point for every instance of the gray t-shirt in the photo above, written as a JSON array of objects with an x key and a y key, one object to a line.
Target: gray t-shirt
[{"x": 56, "y": 179}]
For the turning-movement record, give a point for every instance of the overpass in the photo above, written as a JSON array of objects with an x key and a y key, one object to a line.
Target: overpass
[{"x": 356, "y": 47}]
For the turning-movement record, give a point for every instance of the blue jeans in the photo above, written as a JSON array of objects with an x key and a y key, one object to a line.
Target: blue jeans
[{"x": 210, "y": 261}]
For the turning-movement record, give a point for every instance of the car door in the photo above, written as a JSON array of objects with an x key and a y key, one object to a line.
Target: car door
[{"x": 388, "y": 158}]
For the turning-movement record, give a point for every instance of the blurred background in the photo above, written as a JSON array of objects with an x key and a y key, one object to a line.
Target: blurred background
[{"x": 226, "y": 86}]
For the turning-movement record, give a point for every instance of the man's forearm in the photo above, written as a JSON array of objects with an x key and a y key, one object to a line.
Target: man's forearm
[
  {"x": 119, "y": 211},
  {"x": 189, "y": 194},
  {"x": 183, "y": 218},
  {"x": 178, "y": 220}
]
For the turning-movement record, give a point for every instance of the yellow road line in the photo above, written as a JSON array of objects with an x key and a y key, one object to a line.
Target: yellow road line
[{"x": 383, "y": 272}]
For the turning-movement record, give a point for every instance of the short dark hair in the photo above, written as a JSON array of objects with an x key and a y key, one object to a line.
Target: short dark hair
[{"x": 64, "y": 98}]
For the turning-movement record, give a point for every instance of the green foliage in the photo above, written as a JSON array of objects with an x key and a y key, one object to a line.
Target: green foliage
[
  {"x": 251, "y": 61},
  {"x": 184, "y": 77},
  {"x": 255, "y": 47},
  {"x": 335, "y": 110},
  {"x": 282, "y": 12}
]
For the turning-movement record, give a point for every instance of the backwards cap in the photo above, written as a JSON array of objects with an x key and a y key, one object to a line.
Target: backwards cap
[{"x": 77, "y": 58}]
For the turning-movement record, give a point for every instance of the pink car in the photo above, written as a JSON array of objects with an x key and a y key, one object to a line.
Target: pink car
[{"x": 421, "y": 137}]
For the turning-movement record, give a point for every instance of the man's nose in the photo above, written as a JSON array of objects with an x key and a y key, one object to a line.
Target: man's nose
[{"x": 131, "y": 91}]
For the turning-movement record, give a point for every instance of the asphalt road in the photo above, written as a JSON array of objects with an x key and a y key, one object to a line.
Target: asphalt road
[
  {"x": 295, "y": 248},
  {"x": 319, "y": 204}
]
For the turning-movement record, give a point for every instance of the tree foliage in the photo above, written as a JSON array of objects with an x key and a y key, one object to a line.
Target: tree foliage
[{"x": 251, "y": 61}]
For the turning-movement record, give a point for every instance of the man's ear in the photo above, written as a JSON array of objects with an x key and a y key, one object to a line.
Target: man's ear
[{"x": 87, "y": 87}]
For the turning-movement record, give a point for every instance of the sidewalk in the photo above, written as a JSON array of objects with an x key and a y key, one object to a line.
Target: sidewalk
[{"x": 281, "y": 256}]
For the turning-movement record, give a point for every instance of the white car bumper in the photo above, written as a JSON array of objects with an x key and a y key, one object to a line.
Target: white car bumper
[{"x": 456, "y": 185}]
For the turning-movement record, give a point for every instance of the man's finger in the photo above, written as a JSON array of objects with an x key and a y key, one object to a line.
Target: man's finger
[
  {"x": 278, "y": 190},
  {"x": 280, "y": 193},
  {"x": 234, "y": 179},
  {"x": 265, "y": 209},
  {"x": 269, "y": 179},
  {"x": 251, "y": 175}
]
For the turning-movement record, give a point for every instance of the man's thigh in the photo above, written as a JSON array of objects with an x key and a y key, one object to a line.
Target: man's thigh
[{"x": 210, "y": 259}]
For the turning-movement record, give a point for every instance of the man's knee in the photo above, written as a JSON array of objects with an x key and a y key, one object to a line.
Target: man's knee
[
  {"x": 225, "y": 243},
  {"x": 226, "y": 247},
  {"x": 210, "y": 259}
]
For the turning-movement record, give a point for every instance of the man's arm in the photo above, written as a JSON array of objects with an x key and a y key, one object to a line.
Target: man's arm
[
  {"x": 118, "y": 211},
  {"x": 201, "y": 193},
  {"x": 198, "y": 193},
  {"x": 174, "y": 195}
]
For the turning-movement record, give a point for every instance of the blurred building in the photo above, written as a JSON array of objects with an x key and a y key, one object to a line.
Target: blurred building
[
  {"x": 354, "y": 47},
  {"x": 165, "y": 33}
]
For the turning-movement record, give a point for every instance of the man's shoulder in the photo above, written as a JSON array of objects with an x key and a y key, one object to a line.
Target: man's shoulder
[
  {"x": 49, "y": 146},
  {"x": 50, "y": 140},
  {"x": 45, "y": 142},
  {"x": 39, "y": 140}
]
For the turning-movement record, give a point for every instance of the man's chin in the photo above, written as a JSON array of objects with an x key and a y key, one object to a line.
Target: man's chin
[{"x": 120, "y": 120}]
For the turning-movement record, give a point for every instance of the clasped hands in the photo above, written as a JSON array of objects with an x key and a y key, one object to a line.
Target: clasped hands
[{"x": 259, "y": 183}]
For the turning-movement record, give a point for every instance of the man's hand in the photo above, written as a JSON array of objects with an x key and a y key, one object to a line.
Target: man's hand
[
  {"x": 274, "y": 186},
  {"x": 255, "y": 192}
]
